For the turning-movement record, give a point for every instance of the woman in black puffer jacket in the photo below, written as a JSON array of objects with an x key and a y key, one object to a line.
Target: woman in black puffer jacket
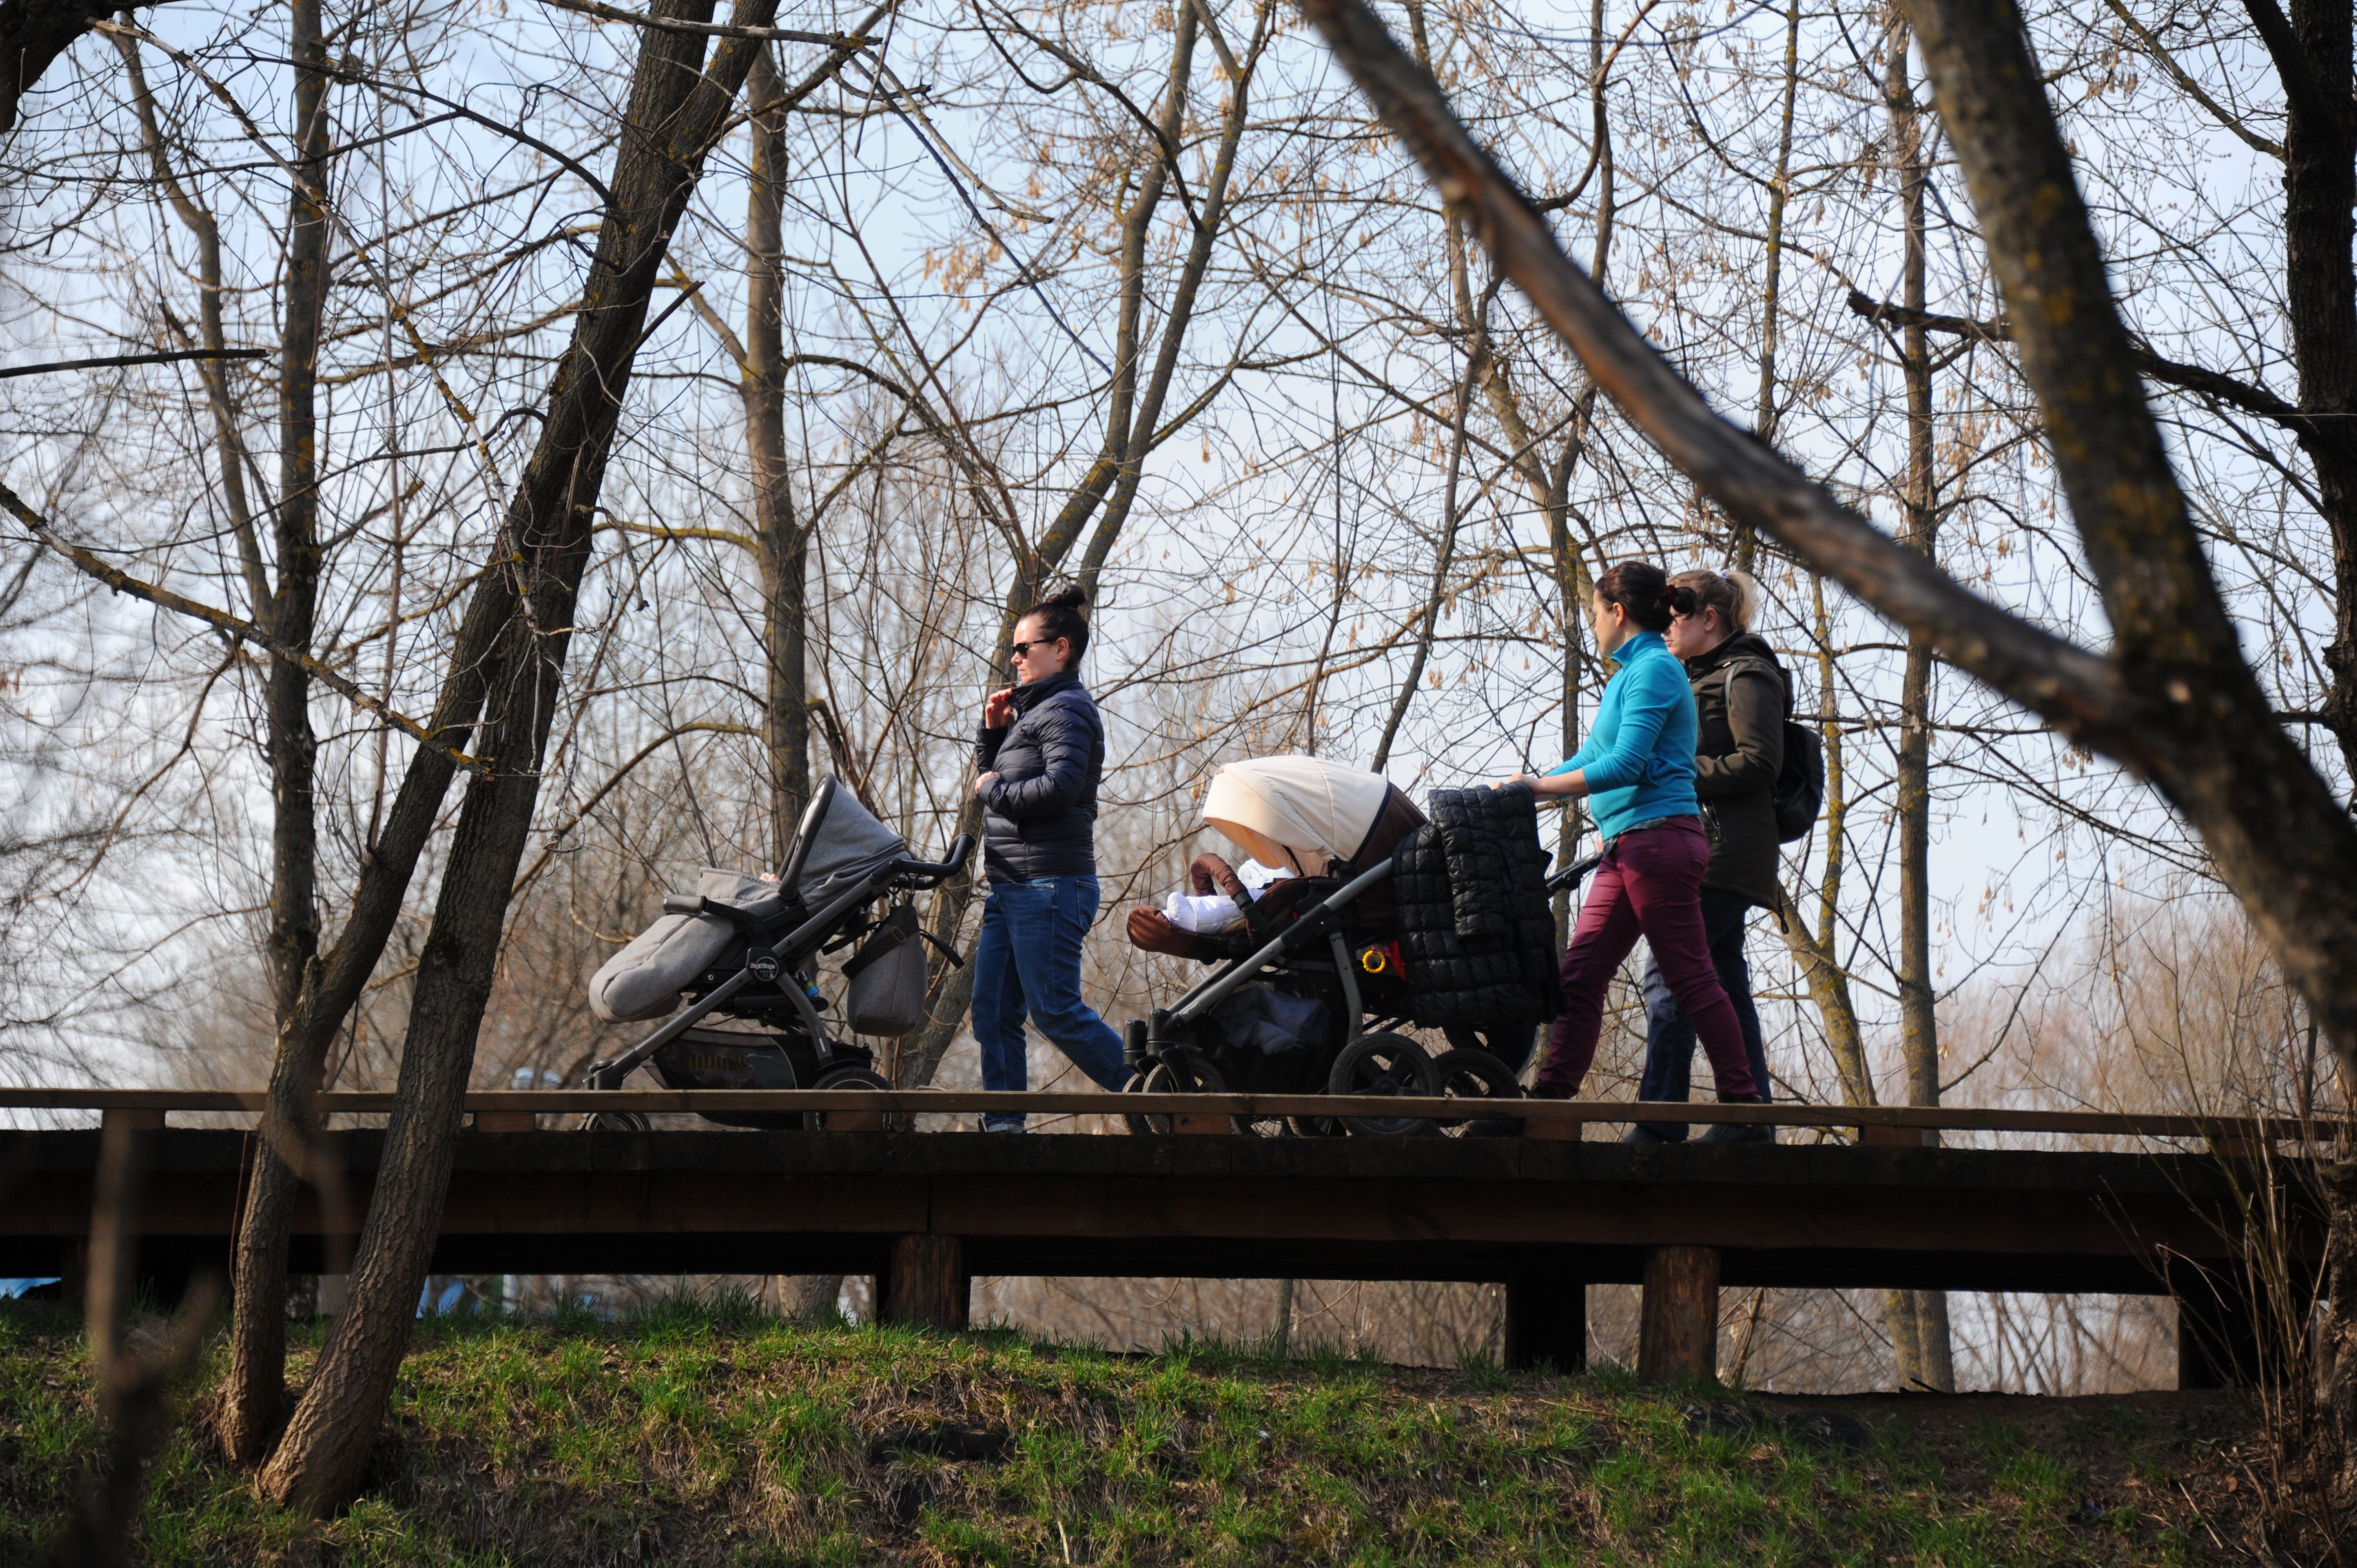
[
  {"x": 1040, "y": 754},
  {"x": 1742, "y": 697}
]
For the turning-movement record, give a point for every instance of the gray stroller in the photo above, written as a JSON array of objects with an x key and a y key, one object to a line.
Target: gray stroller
[{"x": 745, "y": 950}]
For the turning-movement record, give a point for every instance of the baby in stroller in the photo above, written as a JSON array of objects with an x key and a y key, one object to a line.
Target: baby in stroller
[
  {"x": 744, "y": 949},
  {"x": 1365, "y": 932}
]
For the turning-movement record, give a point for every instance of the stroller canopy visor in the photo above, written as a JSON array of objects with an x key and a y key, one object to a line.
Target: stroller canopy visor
[
  {"x": 846, "y": 843},
  {"x": 1299, "y": 803}
]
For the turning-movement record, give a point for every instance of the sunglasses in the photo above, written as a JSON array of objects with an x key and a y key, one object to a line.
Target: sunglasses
[{"x": 1023, "y": 649}]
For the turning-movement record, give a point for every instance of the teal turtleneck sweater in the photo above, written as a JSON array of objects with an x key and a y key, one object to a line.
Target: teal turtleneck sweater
[{"x": 1640, "y": 756}]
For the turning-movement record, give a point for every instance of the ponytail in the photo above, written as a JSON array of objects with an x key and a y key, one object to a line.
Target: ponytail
[{"x": 1733, "y": 595}]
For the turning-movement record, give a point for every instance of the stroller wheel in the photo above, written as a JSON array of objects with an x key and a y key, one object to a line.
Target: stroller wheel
[
  {"x": 1176, "y": 1072},
  {"x": 1472, "y": 1075},
  {"x": 846, "y": 1121},
  {"x": 614, "y": 1122},
  {"x": 1387, "y": 1065},
  {"x": 1510, "y": 1043}
]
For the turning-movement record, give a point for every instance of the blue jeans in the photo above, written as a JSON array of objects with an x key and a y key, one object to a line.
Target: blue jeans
[
  {"x": 1028, "y": 963},
  {"x": 1670, "y": 1036}
]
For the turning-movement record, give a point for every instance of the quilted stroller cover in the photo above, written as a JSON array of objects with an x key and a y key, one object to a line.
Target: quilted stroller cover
[{"x": 645, "y": 979}]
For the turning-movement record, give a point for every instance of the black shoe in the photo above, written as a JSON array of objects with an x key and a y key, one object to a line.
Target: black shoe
[
  {"x": 1495, "y": 1127},
  {"x": 1649, "y": 1133},
  {"x": 1739, "y": 1133}
]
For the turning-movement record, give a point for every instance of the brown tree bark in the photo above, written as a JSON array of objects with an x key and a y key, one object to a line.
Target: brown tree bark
[
  {"x": 2173, "y": 700},
  {"x": 2315, "y": 56},
  {"x": 783, "y": 542},
  {"x": 677, "y": 109},
  {"x": 1133, "y": 428},
  {"x": 1919, "y": 1025}
]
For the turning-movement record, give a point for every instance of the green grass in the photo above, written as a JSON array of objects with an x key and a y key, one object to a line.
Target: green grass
[{"x": 716, "y": 1435}]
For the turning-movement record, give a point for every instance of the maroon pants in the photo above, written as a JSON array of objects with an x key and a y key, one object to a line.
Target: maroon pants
[{"x": 1649, "y": 885}]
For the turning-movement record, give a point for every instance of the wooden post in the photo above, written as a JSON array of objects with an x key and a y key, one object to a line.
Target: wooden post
[
  {"x": 1677, "y": 1334},
  {"x": 137, "y": 1121},
  {"x": 927, "y": 1285},
  {"x": 1546, "y": 1317},
  {"x": 2218, "y": 1330}
]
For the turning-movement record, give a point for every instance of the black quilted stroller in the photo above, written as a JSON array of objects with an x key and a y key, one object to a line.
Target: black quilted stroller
[
  {"x": 745, "y": 950},
  {"x": 1388, "y": 919}
]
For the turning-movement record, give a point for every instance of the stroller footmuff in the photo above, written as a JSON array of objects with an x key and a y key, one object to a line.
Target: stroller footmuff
[
  {"x": 744, "y": 950},
  {"x": 1341, "y": 932}
]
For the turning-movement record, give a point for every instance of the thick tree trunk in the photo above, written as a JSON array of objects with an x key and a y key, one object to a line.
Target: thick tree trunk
[
  {"x": 2313, "y": 54},
  {"x": 675, "y": 111},
  {"x": 288, "y": 1147}
]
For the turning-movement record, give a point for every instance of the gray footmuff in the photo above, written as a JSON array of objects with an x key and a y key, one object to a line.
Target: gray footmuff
[{"x": 644, "y": 980}]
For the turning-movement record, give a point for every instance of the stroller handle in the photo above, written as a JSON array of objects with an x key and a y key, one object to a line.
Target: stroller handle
[
  {"x": 1573, "y": 874},
  {"x": 933, "y": 873}
]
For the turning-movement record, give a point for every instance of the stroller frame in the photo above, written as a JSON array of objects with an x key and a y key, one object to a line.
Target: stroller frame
[
  {"x": 1154, "y": 1037},
  {"x": 1163, "y": 1038},
  {"x": 781, "y": 944}
]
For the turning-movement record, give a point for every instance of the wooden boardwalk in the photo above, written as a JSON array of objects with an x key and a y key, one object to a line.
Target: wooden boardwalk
[{"x": 1544, "y": 1214}]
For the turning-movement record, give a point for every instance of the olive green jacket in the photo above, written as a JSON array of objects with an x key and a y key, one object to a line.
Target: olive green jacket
[{"x": 1742, "y": 697}]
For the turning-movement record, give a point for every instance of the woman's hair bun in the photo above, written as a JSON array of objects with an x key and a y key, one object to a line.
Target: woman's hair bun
[{"x": 1059, "y": 614}]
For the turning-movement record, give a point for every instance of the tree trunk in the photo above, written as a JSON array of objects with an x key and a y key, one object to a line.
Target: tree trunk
[
  {"x": 1133, "y": 429},
  {"x": 288, "y": 1153},
  {"x": 2313, "y": 56},
  {"x": 1919, "y": 1027},
  {"x": 676, "y": 112},
  {"x": 784, "y": 546}
]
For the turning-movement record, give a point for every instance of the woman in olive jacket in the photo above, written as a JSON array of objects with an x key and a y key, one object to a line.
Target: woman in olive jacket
[{"x": 1742, "y": 697}]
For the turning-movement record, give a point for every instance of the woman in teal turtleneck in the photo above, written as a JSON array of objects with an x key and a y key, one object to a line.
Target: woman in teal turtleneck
[{"x": 1638, "y": 772}]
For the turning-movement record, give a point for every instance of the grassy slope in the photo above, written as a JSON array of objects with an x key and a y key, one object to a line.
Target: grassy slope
[{"x": 697, "y": 1436}]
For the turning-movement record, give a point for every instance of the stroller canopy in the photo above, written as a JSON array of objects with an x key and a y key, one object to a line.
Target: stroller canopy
[
  {"x": 845, "y": 843},
  {"x": 1301, "y": 803}
]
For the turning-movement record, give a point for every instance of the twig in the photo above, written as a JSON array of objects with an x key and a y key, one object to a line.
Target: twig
[
  {"x": 712, "y": 29},
  {"x": 105, "y": 360},
  {"x": 230, "y": 626}
]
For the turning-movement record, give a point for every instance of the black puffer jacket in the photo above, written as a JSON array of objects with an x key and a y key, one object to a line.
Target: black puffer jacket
[
  {"x": 1040, "y": 816},
  {"x": 1742, "y": 697},
  {"x": 1475, "y": 925}
]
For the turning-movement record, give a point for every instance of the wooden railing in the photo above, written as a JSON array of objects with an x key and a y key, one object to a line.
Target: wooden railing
[{"x": 1211, "y": 1113}]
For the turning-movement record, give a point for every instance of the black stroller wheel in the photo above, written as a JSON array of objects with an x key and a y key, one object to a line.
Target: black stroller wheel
[
  {"x": 1509, "y": 1043},
  {"x": 1472, "y": 1075},
  {"x": 1176, "y": 1072},
  {"x": 614, "y": 1122},
  {"x": 1383, "y": 1064},
  {"x": 846, "y": 1121}
]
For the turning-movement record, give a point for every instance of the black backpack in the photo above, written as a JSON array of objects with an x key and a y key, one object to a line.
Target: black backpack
[
  {"x": 1800, "y": 783},
  {"x": 1800, "y": 792}
]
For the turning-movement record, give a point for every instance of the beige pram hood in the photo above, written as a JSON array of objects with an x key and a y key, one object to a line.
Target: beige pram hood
[{"x": 1309, "y": 806}]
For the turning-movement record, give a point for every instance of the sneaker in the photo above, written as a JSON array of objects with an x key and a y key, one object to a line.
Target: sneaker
[
  {"x": 1652, "y": 1132},
  {"x": 1739, "y": 1133},
  {"x": 1002, "y": 1123}
]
